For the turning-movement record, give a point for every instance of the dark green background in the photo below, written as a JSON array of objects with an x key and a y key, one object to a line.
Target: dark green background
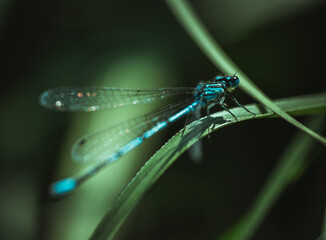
[{"x": 139, "y": 44}]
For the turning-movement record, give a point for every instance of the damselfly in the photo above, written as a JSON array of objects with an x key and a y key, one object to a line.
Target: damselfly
[{"x": 109, "y": 145}]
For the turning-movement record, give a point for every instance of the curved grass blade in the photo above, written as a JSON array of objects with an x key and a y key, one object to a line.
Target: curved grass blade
[
  {"x": 289, "y": 166},
  {"x": 323, "y": 236},
  {"x": 162, "y": 159},
  {"x": 188, "y": 18}
]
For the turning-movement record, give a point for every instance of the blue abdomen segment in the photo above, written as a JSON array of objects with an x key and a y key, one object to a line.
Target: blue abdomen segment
[
  {"x": 184, "y": 111},
  {"x": 128, "y": 147},
  {"x": 155, "y": 129},
  {"x": 63, "y": 187}
]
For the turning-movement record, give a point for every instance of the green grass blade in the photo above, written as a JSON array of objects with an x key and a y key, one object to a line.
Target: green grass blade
[
  {"x": 289, "y": 166},
  {"x": 324, "y": 227},
  {"x": 198, "y": 32},
  {"x": 161, "y": 160}
]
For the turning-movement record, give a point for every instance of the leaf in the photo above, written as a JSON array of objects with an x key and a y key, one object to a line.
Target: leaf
[
  {"x": 188, "y": 18},
  {"x": 288, "y": 167},
  {"x": 178, "y": 144}
]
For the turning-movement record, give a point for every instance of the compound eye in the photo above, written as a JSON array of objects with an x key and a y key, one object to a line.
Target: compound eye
[{"x": 235, "y": 82}]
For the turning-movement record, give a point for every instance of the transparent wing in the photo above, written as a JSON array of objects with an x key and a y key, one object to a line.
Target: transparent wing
[
  {"x": 101, "y": 145},
  {"x": 89, "y": 99}
]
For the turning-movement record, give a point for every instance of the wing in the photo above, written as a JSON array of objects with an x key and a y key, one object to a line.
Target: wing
[
  {"x": 89, "y": 99},
  {"x": 101, "y": 145}
]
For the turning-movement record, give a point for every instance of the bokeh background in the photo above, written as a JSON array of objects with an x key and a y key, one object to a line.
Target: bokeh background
[{"x": 279, "y": 44}]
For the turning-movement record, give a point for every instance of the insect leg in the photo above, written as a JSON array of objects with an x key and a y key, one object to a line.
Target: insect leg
[
  {"x": 221, "y": 103},
  {"x": 236, "y": 102}
]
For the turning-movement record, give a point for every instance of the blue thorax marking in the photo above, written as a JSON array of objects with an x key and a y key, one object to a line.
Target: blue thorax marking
[{"x": 210, "y": 92}]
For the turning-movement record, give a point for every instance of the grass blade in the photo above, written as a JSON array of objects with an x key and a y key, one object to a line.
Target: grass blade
[
  {"x": 196, "y": 29},
  {"x": 161, "y": 160},
  {"x": 289, "y": 166}
]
